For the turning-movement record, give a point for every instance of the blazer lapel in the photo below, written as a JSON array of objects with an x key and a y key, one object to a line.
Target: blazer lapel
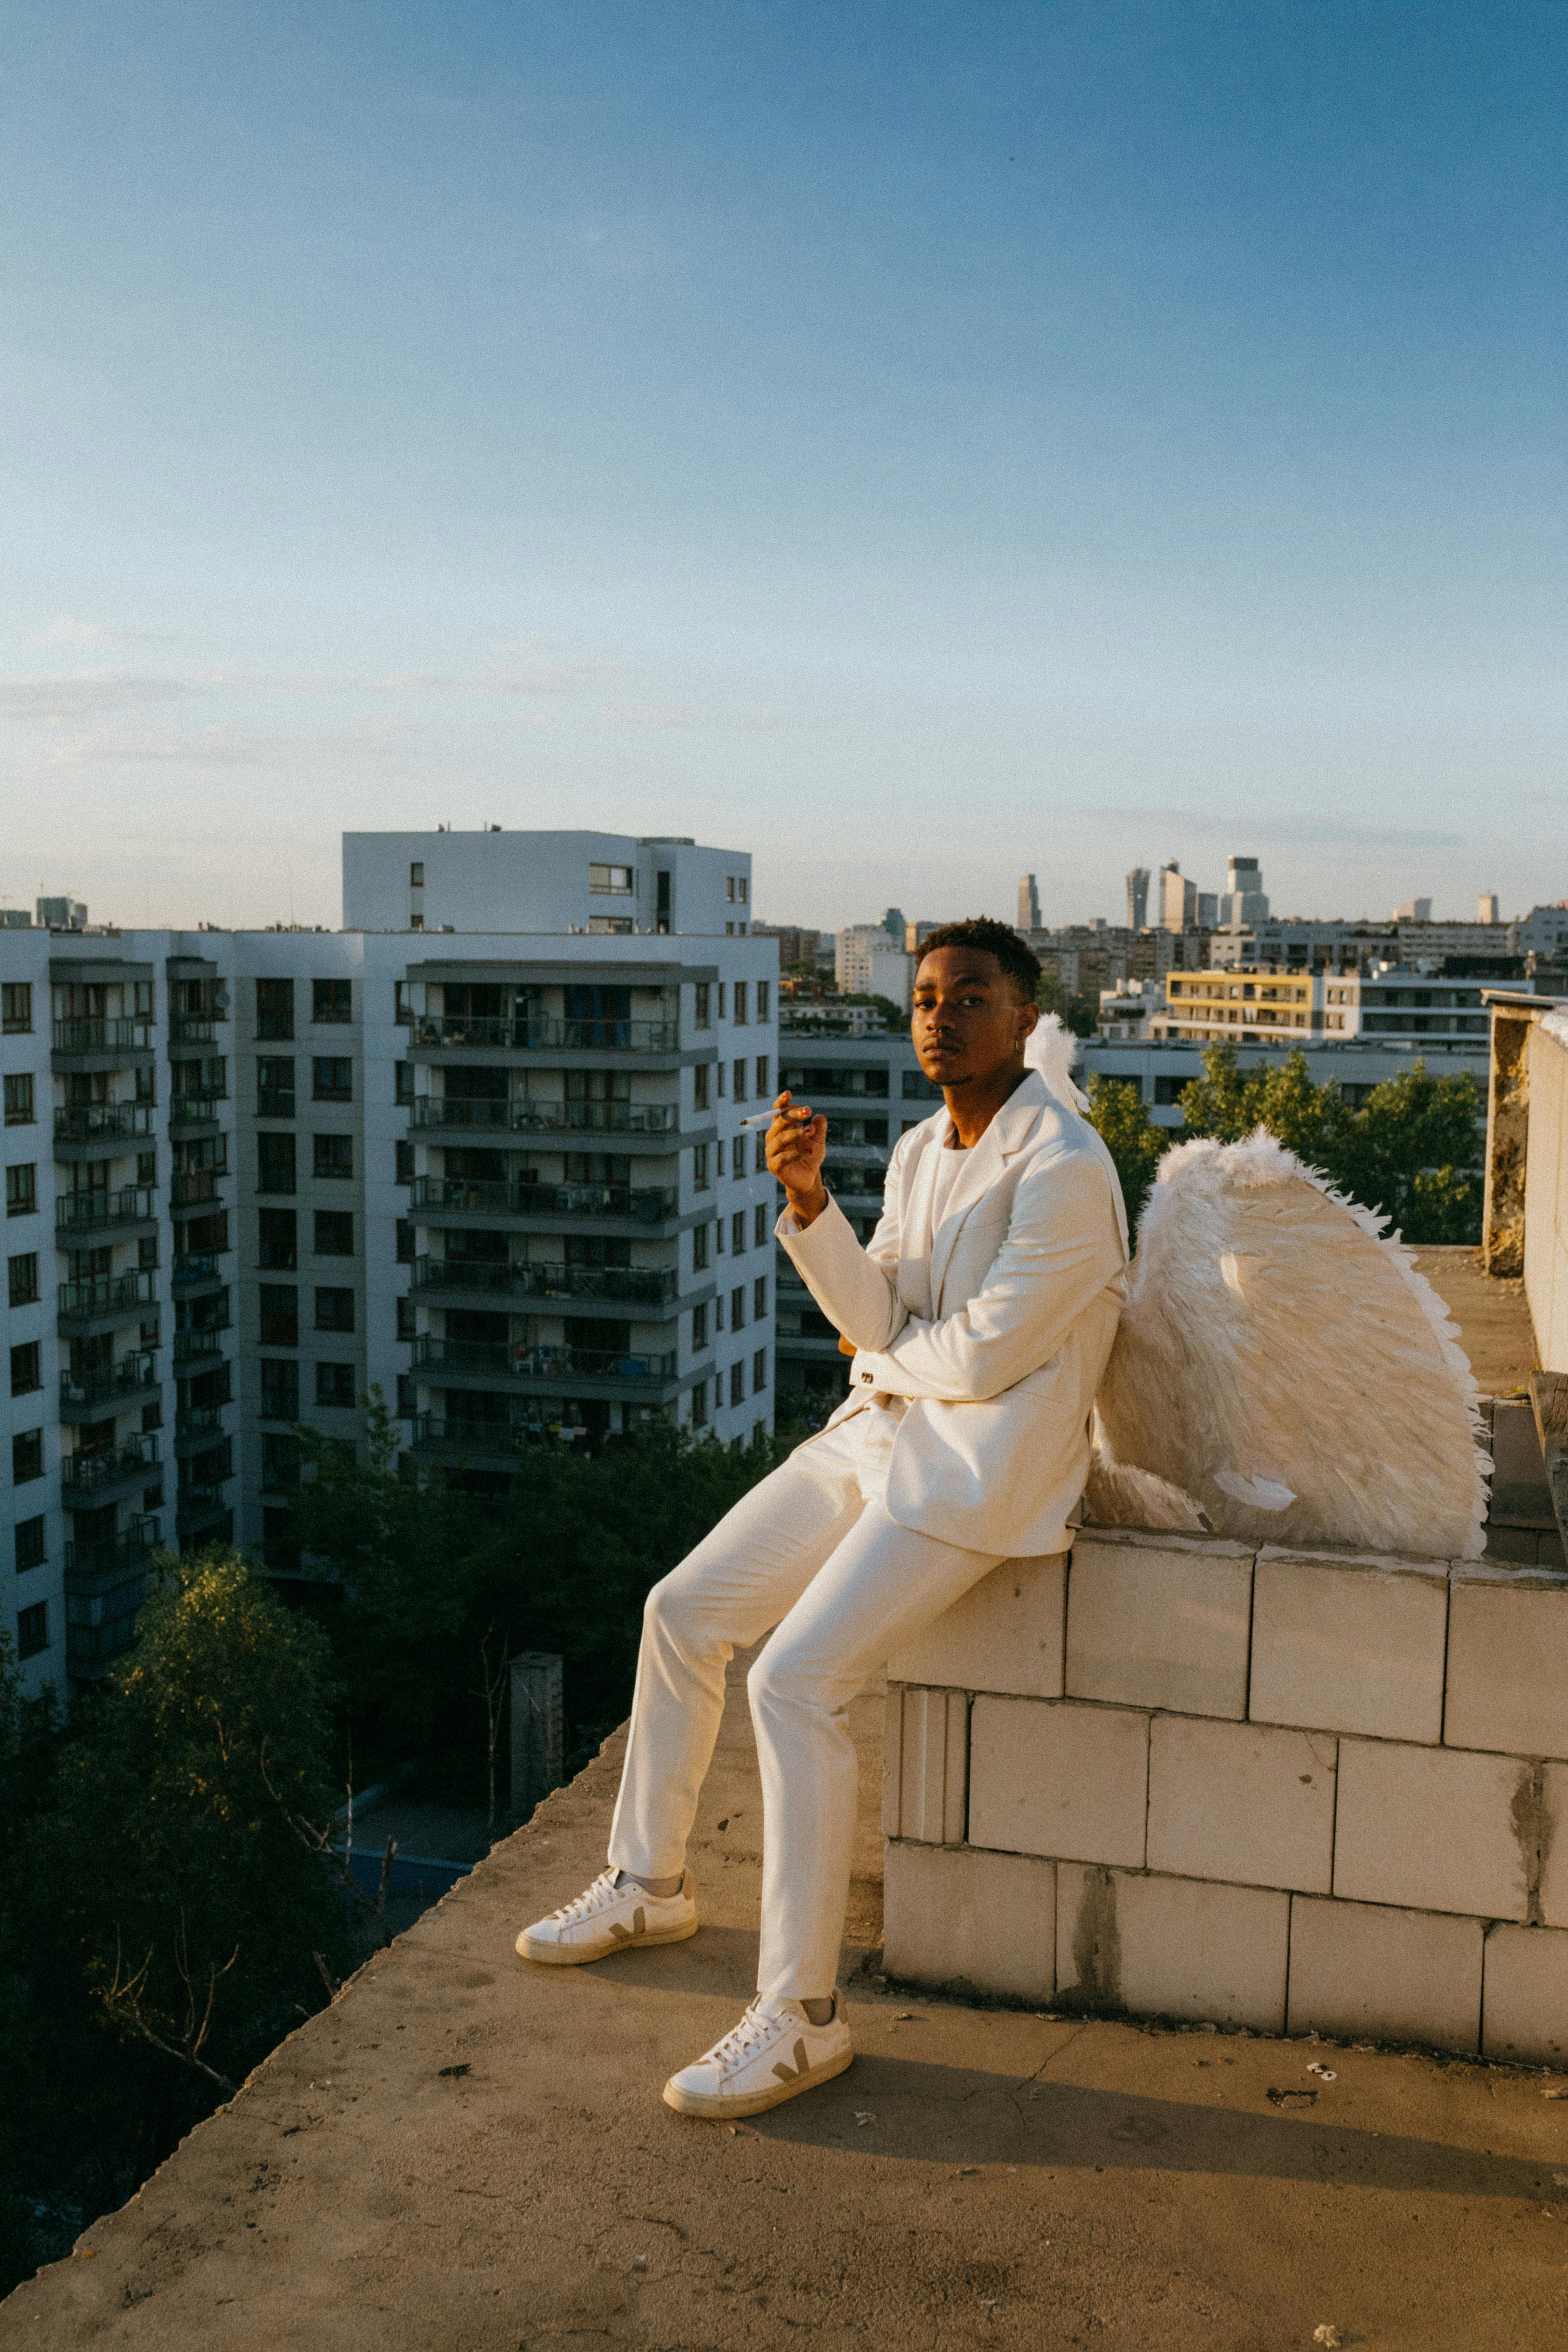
[{"x": 1006, "y": 1134}]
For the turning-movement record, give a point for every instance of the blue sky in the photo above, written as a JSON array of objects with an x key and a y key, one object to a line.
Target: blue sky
[{"x": 913, "y": 442}]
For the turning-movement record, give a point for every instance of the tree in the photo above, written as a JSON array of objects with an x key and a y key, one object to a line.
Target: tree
[
  {"x": 1078, "y": 1012},
  {"x": 1118, "y": 1112}
]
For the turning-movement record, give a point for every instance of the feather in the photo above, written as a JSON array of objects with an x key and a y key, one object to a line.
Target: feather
[
  {"x": 1281, "y": 1363},
  {"x": 1052, "y": 1049}
]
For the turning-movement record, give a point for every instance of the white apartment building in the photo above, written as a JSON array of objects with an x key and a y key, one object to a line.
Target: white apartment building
[
  {"x": 870, "y": 961},
  {"x": 250, "y": 1176},
  {"x": 1265, "y": 1005}
]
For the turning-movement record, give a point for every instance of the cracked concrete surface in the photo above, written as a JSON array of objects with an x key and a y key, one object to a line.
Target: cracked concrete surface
[{"x": 465, "y": 2154}]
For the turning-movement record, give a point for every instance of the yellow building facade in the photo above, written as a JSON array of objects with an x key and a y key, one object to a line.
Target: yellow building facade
[{"x": 1257, "y": 1007}]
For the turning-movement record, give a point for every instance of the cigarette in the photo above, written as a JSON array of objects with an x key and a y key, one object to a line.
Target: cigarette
[{"x": 766, "y": 1118}]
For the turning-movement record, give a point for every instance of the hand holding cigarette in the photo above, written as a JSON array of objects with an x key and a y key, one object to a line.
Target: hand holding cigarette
[{"x": 798, "y": 1139}]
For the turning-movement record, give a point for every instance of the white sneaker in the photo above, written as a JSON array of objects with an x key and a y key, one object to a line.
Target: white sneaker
[
  {"x": 614, "y": 1914},
  {"x": 772, "y": 2055}
]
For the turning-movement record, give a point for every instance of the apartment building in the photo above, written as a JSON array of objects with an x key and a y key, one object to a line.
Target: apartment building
[
  {"x": 1258, "y": 1005},
  {"x": 250, "y": 1176}
]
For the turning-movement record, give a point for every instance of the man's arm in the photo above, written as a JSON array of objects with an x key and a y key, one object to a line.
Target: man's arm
[
  {"x": 1063, "y": 1247},
  {"x": 856, "y": 1287}
]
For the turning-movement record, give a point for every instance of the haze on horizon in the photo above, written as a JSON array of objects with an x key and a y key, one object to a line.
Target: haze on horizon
[{"x": 914, "y": 444}]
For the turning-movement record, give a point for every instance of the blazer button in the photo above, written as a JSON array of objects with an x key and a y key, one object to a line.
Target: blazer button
[{"x": 869, "y": 1379}]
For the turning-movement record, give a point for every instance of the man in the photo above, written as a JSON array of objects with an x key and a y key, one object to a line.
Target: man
[{"x": 981, "y": 1316}]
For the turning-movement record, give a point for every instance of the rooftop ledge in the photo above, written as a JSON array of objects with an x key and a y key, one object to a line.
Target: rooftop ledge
[{"x": 464, "y": 2152}]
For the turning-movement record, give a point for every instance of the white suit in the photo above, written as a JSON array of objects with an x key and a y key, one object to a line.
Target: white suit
[{"x": 963, "y": 1442}]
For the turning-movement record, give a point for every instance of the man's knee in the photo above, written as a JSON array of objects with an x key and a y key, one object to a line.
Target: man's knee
[{"x": 777, "y": 1677}]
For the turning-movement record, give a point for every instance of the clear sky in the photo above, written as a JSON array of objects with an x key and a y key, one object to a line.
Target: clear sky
[{"x": 913, "y": 442}]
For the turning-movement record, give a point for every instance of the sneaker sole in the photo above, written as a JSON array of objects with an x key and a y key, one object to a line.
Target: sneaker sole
[
  {"x": 576, "y": 1956},
  {"x": 753, "y": 2102}
]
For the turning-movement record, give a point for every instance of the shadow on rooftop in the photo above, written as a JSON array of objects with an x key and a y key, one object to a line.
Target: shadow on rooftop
[{"x": 959, "y": 2115}]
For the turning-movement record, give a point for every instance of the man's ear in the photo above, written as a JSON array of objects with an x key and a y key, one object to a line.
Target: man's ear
[{"x": 1029, "y": 1018}]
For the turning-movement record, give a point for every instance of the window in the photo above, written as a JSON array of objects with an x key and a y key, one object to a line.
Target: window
[
  {"x": 23, "y": 1285},
  {"x": 698, "y": 1249},
  {"x": 737, "y": 1382},
  {"x": 718, "y": 1149},
  {"x": 402, "y": 1010},
  {"x": 402, "y": 1081},
  {"x": 407, "y": 1397},
  {"x": 280, "y": 1240},
  {"x": 279, "y": 1462},
  {"x": 759, "y": 1297},
  {"x": 702, "y": 1017},
  {"x": 16, "y": 1008},
  {"x": 21, "y": 1190},
  {"x": 764, "y": 1000},
  {"x": 760, "y": 1154},
  {"x": 408, "y": 1328},
  {"x": 721, "y": 1000},
  {"x": 417, "y": 874},
  {"x": 331, "y": 1079},
  {"x": 275, "y": 1086},
  {"x": 275, "y": 1008},
  {"x": 27, "y": 1456},
  {"x": 719, "y": 1313},
  {"x": 33, "y": 1630},
  {"x": 700, "y": 1405},
  {"x": 27, "y": 1367},
  {"x": 147, "y": 1168},
  {"x": 759, "y": 1225},
  {"x": 729, "y": 889},
  {"x": 699, "y": 1168},
  {"x": 335, "y": 1157},
  {"x": 737, "y": 1307},
  {"x": 719, "y": 1237},
  {"x": 610, "y": 881},
  {"x": 741, "y": 994},
  {"x": 335, "y": 1385},
  {"x": 405, "y": 1242},
  {"x": 699, "y": 1086},
  {"x": 738, "y": 1232},
  {"x": 331, "y": 999},
  {"x": 280, "y": 1314},
  {"x": 279, "y": 1389},
  {"x": 30, "y": 1550},
  {"x": 720, "y": 1066},
  {"x": 275, "y": 1163},
  {"x": 334, "y": 1232},
  {"x": 740, "y": 1079},
  {"x": 759, "y": 1371},
  {"x": 742, "y": 885},
  {"x": 335, "y": 1310},
  {"x": 698, "y": 1329},
  {"x": 405, "y": 1163},
  {"x": 19, "y": 1111},
  {"x": 761, "y": 1077}
]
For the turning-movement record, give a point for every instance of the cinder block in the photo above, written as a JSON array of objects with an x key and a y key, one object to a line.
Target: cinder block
[
  {"x": 1160, "y": 1620},
  {"x": 1005, "y": 1634},
  {"x": 1049, "y": 1777},
  {"x": 1524, "y": 1995},
  {"x": 924, "y": 1765},
  {"x": 1508, "y": 1661},
  {"x": 988, "y": 1918},
  {"x": 1437, "y": 1829},
  {"x": 1349, "y": 1641},
  {"x": 1400, "y": 1976},
  {"x": 1242, "y": 1800},
  {"x": 1555, "y": 1843},
  {"x": 1171, "y": 1947}
]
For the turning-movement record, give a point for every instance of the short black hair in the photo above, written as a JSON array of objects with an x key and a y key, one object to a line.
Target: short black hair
[{"x": 1015, "y": 955}]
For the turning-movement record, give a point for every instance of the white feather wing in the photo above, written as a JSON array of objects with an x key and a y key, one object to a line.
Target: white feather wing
[{"x": 1285, "y": 1367}]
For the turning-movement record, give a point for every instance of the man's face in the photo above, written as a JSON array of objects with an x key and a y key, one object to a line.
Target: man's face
[{"x": 969, "y": 1022}]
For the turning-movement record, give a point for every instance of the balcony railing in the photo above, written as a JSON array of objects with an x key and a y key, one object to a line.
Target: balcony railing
[
  {"x": 98, "y": 1213},
  {"x": 644, "y": 1205},
  {"x": 543, "y": 1359},
  {"x": 103, "y": 1036},
  {"x": 194, "y": 1186},
  {"x": 193, "y": 1110},
  {"x": 196, "y": 1028},
  {"x": 196, "y": 1505},
  {"x": 114, "y": 1559},
  {"x": 101, "y": 1292},
  {"x": 465, "y": 1032},
  {"x": 520, "y": 1117},
  {"x": 103, "y": 1122},
  {"x": 632, "y": 1285},
  {"x": 198, "y": 1425},
  {"x": 196, "y": 1266},
  {"x": 193, "y": 1347},
  {"x": 130, "y": 1376},
  {"x": 85, "y": 1476}
]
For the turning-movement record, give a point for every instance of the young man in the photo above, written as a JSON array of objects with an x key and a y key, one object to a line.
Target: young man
[{"x": 981, "y": 1316}]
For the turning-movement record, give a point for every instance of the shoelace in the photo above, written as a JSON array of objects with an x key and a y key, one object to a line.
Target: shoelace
[
  {"x": 591, "y": 1899},
  {"x": 744, "y": 2040}
]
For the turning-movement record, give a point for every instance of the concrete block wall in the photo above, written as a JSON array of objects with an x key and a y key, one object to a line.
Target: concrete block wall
[{"x": 1287, "y": 1789}]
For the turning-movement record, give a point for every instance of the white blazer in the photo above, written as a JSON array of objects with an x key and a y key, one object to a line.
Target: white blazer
[{"x": 995, "y": 1327}]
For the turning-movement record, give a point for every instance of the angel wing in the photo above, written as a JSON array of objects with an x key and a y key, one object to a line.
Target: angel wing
[
  {"x": 1052, "y": 1049},
  {"x": 1283, "y": 1367}
]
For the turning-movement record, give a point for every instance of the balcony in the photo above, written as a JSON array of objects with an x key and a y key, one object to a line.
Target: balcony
[
  {"x": 192, "y": 1188},
  {"x": 543, "y": 1365},
  {"x": 189, "y": 1113},
  {"x": 90, "y": 1129},
  {"x": 197, "y": 1270},
  {"x": 622, "y": 1286},
  {"x": 83, "y": 1394},
  {"x": 80, "y": 1213},
  {"x": 464, "y": 1033},
  {"x": 438, "y": 1113},
  {"x": 106, "y": 1584},
  {"x": 196, "y": 1028},
  {"x": 107, "y": 1043},
  {"x": 197, "y": 1427},
  {"x": 621, "y": 1204},
  {"x": 197, "y": 1347},
  {"x": 104, "y": 1298},
  {"x": 196, "y": 1510},
  {"x": 106, "y": 1472}
]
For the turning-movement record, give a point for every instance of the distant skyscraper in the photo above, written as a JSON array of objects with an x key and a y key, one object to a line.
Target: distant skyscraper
[
  {"x": 1178, "y": 907},
  {"x": 894, "y": 925},
  {"x": 1242, "y": 901},
  {"x": 1414, "y": 910},
  {"x": 62, "y": 914},
  {"x": 1137, "y": 898},
  {"x": 1487, "y": 911},
  {"x": 1028, "y": 904}
]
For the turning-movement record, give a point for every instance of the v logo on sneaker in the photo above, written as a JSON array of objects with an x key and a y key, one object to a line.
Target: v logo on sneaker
[
  {"x": 638, "y": 1927},
  {"x": 802, "y": 2065}
]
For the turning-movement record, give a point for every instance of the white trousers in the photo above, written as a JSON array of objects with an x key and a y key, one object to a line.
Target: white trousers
[{"x": 811, "y": 1552}]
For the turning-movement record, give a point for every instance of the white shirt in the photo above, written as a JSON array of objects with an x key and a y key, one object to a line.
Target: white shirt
[{"x": 948, "y": 1163}]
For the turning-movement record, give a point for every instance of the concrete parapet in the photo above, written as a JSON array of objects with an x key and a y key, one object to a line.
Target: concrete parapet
[
  {"x": 1242, "y": 1801},
  {"x": 1508, "y": 1661},
  {"x": 1171, "y": 1947},
  {"x": 1050, "y": 1776},
  {"x": 1370, "y": 1968},
  {"x": 1160, "y": 1620},
  {"x": 1005, "y": 1634},
  {"x": 1346, "y": 1641},
  {"x": 983, "y": 1919}
]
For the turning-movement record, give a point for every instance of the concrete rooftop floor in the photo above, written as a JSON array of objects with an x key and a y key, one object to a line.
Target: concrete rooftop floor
[{"x": 465, "y": 2153}]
